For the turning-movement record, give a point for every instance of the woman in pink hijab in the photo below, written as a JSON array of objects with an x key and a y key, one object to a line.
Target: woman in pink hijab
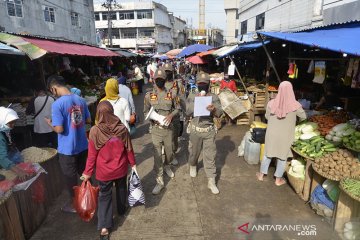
[{"x": 282, "y": 113}]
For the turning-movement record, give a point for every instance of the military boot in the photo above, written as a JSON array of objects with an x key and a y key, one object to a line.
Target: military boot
[
  {"x": 212, "y": 186},
  {"x": 159, "y": 186},
  {"x": 193, "y": 171}
]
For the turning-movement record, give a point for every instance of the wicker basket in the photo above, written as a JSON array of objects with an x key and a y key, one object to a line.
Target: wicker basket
[
  {"x": 296, "y": 183},
  {"x": 357, "y": 198}
]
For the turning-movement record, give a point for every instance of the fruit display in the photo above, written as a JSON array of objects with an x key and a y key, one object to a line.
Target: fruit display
[
  {"x": 339, "y": 131},
  {"x": 352, "y": 141},
  {"x": 306, "y": 131},
  {"x": 337, "y": 165},
  {"x": 314, "y": 147}
]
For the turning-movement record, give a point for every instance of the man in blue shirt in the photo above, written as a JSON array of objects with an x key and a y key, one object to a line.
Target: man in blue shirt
[{"x": 69, "y": 116}]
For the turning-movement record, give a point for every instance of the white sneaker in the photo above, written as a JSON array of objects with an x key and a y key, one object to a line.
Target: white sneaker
[
  {"x": 157, "y": 189},
  {"x": 174, "y": 162},
  {"x": 212, "y": 186},
  {"x": 193, "y": 171},
  {"x": 168, "y": 171}
]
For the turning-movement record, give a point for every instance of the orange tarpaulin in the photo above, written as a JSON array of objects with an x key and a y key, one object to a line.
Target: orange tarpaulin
[{"x": 202, "y": 54}]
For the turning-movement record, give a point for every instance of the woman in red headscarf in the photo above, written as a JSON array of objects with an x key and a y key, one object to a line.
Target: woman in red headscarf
[
  {"x": 282, "y": 113},
  {"x": 110, "y": 151}
]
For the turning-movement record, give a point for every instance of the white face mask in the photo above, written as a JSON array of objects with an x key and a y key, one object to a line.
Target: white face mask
[{"x": 5, "y": 128}]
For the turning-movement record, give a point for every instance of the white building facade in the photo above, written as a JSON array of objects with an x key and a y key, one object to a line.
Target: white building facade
[
  {"x": 232, "y": 20},
  {"x": 139, "y": 25},
  {"x": 291, "y": 15},
  {"x": 66, "y": 19}
]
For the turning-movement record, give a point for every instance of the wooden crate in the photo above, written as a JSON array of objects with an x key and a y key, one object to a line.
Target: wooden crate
[{"x": 243, "y": 119}]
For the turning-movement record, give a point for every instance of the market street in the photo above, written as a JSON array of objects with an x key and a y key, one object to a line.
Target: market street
[{"x": 186, "y": 209}]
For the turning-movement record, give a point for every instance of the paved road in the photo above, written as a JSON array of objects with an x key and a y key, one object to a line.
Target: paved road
[{"x": 186, "y": 209}]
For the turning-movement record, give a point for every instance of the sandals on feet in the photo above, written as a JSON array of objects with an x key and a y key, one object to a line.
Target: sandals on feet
[{"x": 283, "y": 181}]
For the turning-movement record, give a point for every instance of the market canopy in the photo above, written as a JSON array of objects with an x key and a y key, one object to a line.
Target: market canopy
[
  {"x": 196, "y": 60},
  {"x": 127, "y": 54},
  {"x": 339, "y": 38},
  {"x": 193, "y": 49},
  {"x": 36, "y": 47},
  {"x": 224, "y": 50},
  {"x": 5, "y": 49},
  {"x": 242, "y": 48},
  {"x": 173, "y": 53}
]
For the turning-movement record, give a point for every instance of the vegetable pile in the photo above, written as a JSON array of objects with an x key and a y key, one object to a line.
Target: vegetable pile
[
  {"x": 306, "y": 131},
  {"x": 297, "y": 169},
  {"x": 352, "y": 186},
  {"x": 328, "y": 121},
  {"x": 352, "y": 141},
  {"x": 337, "y": 165},
  {"x": 314, "y": 147},
  {"x": 339, "y": 131}
]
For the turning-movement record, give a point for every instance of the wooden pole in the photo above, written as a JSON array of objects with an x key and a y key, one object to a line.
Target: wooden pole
[
  {"x": 241, "y": 80},
  {"x": 269, "y": 57}
]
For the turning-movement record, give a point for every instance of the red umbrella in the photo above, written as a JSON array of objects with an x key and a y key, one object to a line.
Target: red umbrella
[{"x": 196, "y": 60}]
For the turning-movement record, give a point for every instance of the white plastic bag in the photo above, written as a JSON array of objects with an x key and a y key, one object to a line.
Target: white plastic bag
[
  {"x": 136, "y": 193},
  {"x": 241, "y": 148}
]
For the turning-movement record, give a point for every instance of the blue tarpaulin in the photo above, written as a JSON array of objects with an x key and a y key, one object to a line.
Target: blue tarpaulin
[
  {"x": 193, "y": 49},
  {"x": 243, "y": 47},
  {"x": 340, "y": 38}
]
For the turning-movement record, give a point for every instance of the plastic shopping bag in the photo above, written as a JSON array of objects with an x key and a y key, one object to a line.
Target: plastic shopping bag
[
  {"x": 85, "y": 200},
  {"x": 136, "y": 193}
]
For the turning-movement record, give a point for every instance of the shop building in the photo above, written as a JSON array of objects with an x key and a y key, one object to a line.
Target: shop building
[
  {"x": 286, "y": 15},
  {"x": 211, "y": 36},
  {"x": 68, "y": 20},
  {"x": 141, "y": 26}
]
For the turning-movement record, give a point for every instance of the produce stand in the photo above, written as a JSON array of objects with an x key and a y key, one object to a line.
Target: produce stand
[{"x": 10, "y": 224}]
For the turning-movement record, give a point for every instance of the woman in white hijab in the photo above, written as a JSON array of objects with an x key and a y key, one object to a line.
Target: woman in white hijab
[{"x": 7, "y": 122}]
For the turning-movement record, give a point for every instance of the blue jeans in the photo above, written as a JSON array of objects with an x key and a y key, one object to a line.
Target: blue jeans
[{"x": 280, "y": 166}]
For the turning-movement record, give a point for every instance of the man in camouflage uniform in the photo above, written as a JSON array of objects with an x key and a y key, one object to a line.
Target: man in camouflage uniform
[
  {"x": 166, "y": 104},
  {"x": 203, "y": 132},
  {"x": 177, "y": 89}
]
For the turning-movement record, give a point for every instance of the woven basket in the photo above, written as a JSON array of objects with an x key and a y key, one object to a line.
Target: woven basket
[
  {"x": 357, "y": 198},
  {"x": 52, "y": 152},
  {"x": 296, "y": 183}
]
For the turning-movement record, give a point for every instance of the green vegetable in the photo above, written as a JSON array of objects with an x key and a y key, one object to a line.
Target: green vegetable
[{"x": 352, "y": 186}]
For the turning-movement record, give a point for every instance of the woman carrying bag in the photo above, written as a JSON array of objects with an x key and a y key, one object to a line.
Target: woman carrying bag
[{"x": 110, "y": 152}]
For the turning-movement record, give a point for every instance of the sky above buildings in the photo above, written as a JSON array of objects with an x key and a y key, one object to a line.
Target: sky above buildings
[{"x": 189, "y": 11}]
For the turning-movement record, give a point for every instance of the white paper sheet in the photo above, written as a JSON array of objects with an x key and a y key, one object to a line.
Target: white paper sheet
[{"x": 200, "y": 105}]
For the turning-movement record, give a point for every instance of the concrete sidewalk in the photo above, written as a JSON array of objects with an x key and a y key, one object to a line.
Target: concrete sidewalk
[{"x": 186, "y": 209}]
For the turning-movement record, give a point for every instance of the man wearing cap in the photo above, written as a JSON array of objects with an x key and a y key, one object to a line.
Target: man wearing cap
[
  {"x": 179, "y": 91},
  {"x": 165, "y": 103},
  {"x": 202, "y": 132}
]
